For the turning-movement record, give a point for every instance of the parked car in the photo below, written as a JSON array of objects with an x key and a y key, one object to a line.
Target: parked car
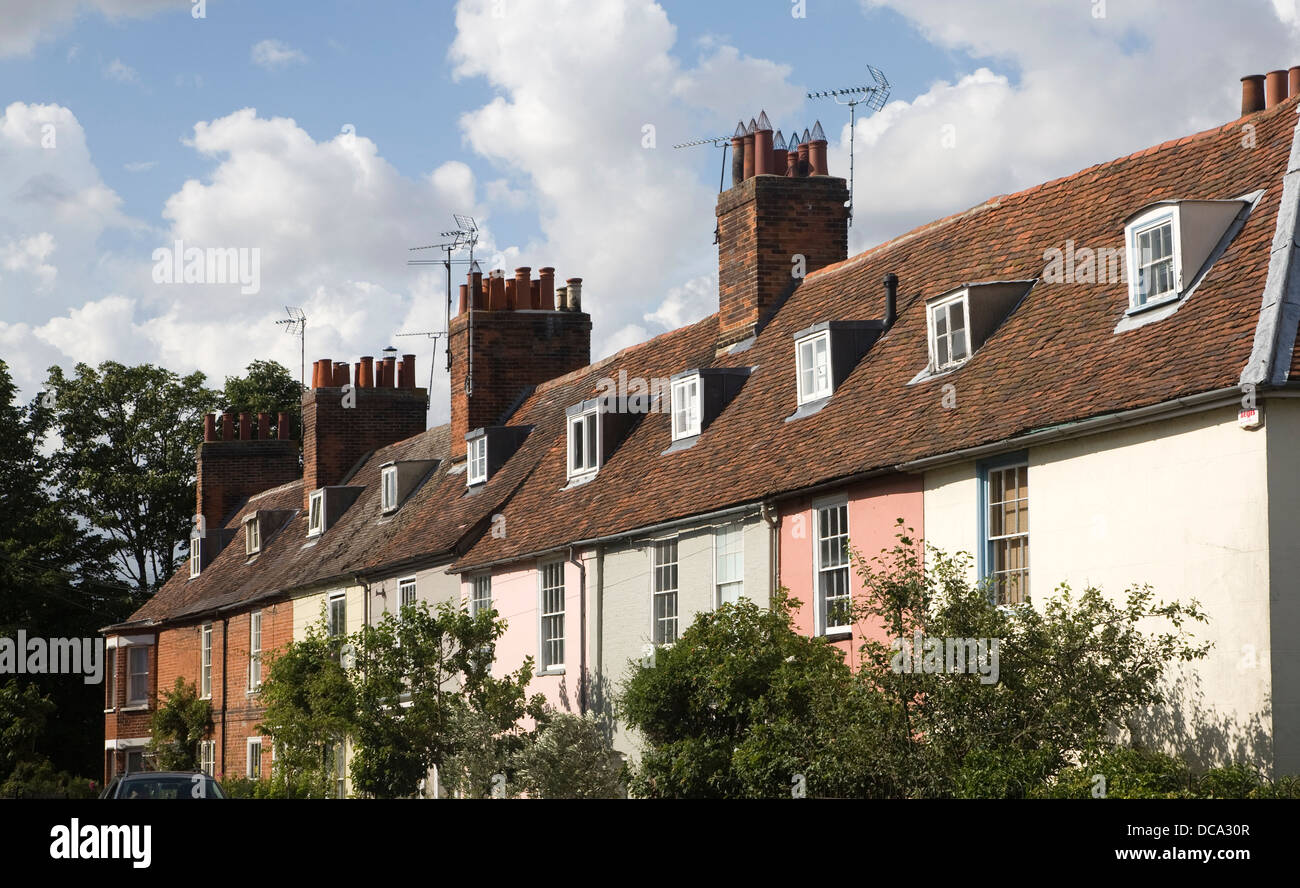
[{"x": 163, "y": 785}]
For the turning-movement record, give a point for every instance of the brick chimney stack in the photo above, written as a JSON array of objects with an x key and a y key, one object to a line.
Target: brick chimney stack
[
  {"x": 234, "y": 464},
  {"x": 766, "y": 221},
  {"x": 379, "y": 406},
  {"x": 500, "y": 349}
]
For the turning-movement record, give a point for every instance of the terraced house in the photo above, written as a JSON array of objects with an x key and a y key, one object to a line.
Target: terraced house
[{"x": 1096, "y": 371}]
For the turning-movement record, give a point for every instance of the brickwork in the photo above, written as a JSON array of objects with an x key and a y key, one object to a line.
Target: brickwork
[{"x": 335, "y": 437}]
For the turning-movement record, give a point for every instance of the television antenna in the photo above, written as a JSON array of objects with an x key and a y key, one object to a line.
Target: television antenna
[
  {"x": 725, "y": 142},
  {"x": 874, "y": 97},
  {"x": 296, "y": 324},
  {"x": 464, "y": 235}
]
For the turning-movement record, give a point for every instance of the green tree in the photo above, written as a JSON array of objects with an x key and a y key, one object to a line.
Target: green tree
[
  {"x": 426, "y": 697},
  {"x": 744, "y": 706},
  {"x": 181, "y": 720},
  {"x": 310, "y": 707},
  {"x": 570, "y": 758},
  {"x": 55, "y": 578},
  {"x": 1071, "y": 673},
  {"x": 126, "y": 465},
  {"x": 265, "y": 387}
]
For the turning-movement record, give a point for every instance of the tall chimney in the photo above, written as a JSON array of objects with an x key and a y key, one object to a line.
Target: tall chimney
[
  {"x": 817, "y": 151},
  {"x": 1274, "y": 88},
  {"x": 763, "y": 146},
  {"x": 763, "y": 223},
  {"x": 338, "y": 430},
  {"x": 512, "y": 352},
  {"x": 1293, "y": 82},
  {"x": 749, "y": 148},
  {"x": 230, "y": 469}
]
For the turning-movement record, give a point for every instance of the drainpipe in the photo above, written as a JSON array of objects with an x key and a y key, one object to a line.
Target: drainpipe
[
  {"x": 773, "y": 518},
  {"x": 582, "y": 631}
]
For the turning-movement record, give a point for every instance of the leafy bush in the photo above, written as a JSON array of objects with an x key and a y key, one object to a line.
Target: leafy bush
[
  {"x": 180, "y": 722},
  {"x": 37, "y": 779},
  {"x": 571, "y": 758}
]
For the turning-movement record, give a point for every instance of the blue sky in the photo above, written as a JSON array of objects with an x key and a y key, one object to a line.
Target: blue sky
[{"x": 530, "y": 116}]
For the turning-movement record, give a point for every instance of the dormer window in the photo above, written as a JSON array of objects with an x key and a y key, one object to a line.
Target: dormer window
[
  {"x": 477, "y": 457},
  {"x": 813, "y": 356},
  {"x": 252, "y": 535},
  {"x": 1154, "y": 262},
  {"x": 584, "y": 442},
  {"x": 1170, "y": 246},
  {"x": 196, "y": 556},
  {"x": 949, "y": 336},
  {"x": 686, "y": 407},
  {"x": 316, "y": 514},
  {"x": 388, "y": 485}
]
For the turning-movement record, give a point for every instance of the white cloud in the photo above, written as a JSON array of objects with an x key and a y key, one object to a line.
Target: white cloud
[
  {"x": 121, "y": 72},
  {"x": 1088, "y": 90},
  {"x": 27, "y": 22},
  {"x": 275, "y": 54},
  {"x": 28, "y": 255}
]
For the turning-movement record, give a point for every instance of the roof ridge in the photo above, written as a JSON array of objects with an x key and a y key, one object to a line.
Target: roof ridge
[
  {"x": 997, "y": 201},
  {"x": 624, "y": 352},
  {"x": 278, "y": 489}
]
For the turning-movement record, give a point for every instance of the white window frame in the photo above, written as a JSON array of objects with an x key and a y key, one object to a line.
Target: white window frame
[
  {"x": 720, "y": 535},
  {"x": 477, "y": 600},
  {"x": 132, "y": 675},
  {"x": 196, "y": 556},
  {"x": 252, "y": 535},
  {"x": 253, "y": 742},
  {"x": 591, "y": 464},
  {"x": 316, "y": 513},
  {"x": 205, "y": 661},
  {"x": 544, "y": 642},
  {"x": 388, "y": 489},
  {"x": 208, "y": 757},
  {"x": 254, "y": 650},
  {"x": 329, "y": 615},
  {"x": 404, "y": 586},
  {"x": 1154, "y": 218},
  {"x": 820, "y": 610},
  {"x": 665, "y": 585},
  {"x": 476, "y": 470},
  {"x": 687, "y": 403},
  {"x": 822, "y": 387},
  {"x": 932, "y": 311}
]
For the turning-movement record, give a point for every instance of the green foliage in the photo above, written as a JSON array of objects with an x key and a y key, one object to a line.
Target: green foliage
[
  {"x": 265, "y": 387},
  {"x": 426, "y": 697},
  {"x": 38, "y": 779},
  {"x": 281, "y": 785},
  {"x": 181, "y": 720},
  {"x": 1122, "y": 772},
  {"x": 24, "y": 712},
  {"x": 126, "y": 466},
  {"x": 743, "y": 703},
  {"x": 310, "y": 706},
  {"x": 570, "y": 758},
  {"x": 1070, "y": 674}
]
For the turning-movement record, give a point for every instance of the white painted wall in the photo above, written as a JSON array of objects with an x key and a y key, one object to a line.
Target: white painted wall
[{"x": 1182, "y": 505}]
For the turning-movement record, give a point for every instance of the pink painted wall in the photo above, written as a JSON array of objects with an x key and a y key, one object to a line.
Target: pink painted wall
[
  {"x": 516, "y": 597},
  {"x": 874, "y": 509}
]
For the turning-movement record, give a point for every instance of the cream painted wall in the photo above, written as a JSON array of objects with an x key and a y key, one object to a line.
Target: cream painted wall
[
  {"x": 1181, "y": 504},
  {"x": 1282, "y": 431},
  {"x": 626, "y": 607},
  {"x": 432, "y": 586}
]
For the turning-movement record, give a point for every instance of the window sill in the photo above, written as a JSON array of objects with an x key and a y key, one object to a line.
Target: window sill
[
  {"x": 808, "y": 408},
  {"x": 136, "y": 707},
  {"x": 1152, "y": 306},
  {"x": 686, "y": 442},
  {"x": 579, "y": 480},
  {"x": 553, "y": 670},
  {"x": 836, "y": 635}
]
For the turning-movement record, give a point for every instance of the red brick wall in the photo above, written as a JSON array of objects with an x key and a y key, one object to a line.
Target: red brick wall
[
  {"x": 513, "y": 350},
  {"x": 762, "y": 224},
  {"x": 229, "y": 471},
  {"x": 335, "y": 437},
  {"x": 179, "y": 653}
]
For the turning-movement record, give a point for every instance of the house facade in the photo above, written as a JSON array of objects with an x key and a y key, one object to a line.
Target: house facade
[{"x": 1088, "y": 382}]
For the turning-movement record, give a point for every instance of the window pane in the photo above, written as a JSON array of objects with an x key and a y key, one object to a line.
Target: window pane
[{"x": 591, "y": 443}]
